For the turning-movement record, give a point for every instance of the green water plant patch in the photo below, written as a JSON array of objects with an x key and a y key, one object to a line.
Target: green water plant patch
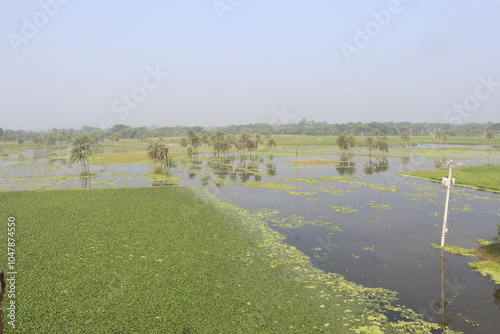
[
  {"x": 271, "y": 185},
  {"x": 175, "y": 260}
]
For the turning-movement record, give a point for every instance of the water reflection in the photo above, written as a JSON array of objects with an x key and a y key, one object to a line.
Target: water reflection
[
  {"x": 271, "y": 169},
  {"x": 346, "y": 165},
  {"x": 440, "y": 163},
  {"x": 194, "y": 168},
  {"x": 442, "y": 304},
  {"x": 496, "y": 296},
  {"x": 226, "y": 170},
  {"x": 376, "y": 166},
  {"x": 405, "y": 161}
]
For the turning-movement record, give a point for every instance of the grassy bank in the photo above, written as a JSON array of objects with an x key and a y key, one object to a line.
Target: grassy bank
[
  {"x": 169, "y": 260},
  {"x": 489, "y": 252},
  {"x": 478, "y": 177}
]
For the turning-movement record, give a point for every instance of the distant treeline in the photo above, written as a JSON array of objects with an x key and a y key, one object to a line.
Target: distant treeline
[{"x": 303, "y": 127}]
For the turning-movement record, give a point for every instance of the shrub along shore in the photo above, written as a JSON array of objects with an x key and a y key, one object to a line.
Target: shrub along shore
[{"x": 175, "y": 260}]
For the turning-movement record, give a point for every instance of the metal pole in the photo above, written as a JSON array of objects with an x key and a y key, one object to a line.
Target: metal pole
[{"x": 445, "y": 218}]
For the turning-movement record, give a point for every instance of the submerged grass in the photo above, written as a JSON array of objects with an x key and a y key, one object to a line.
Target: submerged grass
[
  {"x": 271, "y": 185},
  {"x": 172, "y": 260},
  {"x": 343, "y": 209},
  {"x": 313, "y": 161},
  {"x": 309, "y": 180},
  {"x": 302, "y": 193},
  {"x": 293, "y": 221},
  {"x": 357, "y": 183}
]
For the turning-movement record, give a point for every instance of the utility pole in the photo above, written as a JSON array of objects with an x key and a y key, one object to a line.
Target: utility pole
[{"x": 447, "y": 182}]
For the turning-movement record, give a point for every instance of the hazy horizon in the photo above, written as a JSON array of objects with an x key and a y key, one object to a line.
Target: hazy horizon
[{"x": 67, "y": 64}]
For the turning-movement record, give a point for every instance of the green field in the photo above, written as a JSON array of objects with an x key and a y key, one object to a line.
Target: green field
[
  {"x": 478, "y": 177},
  {"x": 307, "y": 140},
  {"x": 173, "y": 260}
]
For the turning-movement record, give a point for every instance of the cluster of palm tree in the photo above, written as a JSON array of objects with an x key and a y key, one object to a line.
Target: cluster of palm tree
[
  {"x": 378, "y": 143},
  {"x": 346, "y": 141},
  {"x": 192, "y": 141},
  {"x": 224, "y": 144},
  {"x": 158, "y": 151}
]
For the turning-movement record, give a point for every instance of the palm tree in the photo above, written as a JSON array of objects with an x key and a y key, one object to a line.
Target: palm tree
[
  {"x": 256, "y": 141},
  {"x": 270, "y": 143},
  {"x": 232, "y": 143},
  {"x": 219, "y": 143},
  {"x": 82, "y": 149},
  {"x": 205, "y": 139},
  {"x": 243, "y": 142},
  {"x": 158, "y": 152},
  {"x": 192, "y": 138},
  {"x": 382, "y": 144},
  {"x": 370, "y": 144},
  {"x": 490, "y": 136},
  {"x": 345, "y": 141}
]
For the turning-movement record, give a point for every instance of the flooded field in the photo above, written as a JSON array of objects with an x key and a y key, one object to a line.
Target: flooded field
[{"x": 352, "y": 214}]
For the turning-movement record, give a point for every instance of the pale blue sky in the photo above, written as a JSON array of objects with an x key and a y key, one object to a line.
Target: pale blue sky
[{"x": 235, "y": 62}]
